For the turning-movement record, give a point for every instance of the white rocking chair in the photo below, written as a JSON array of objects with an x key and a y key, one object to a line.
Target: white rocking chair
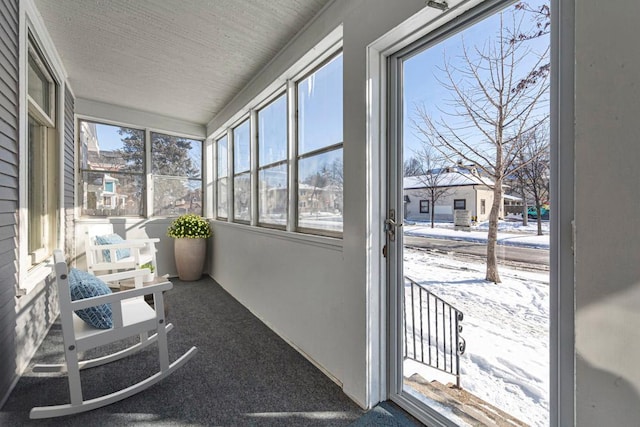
[
  {"x": 106, "y": 257},
  {"x": 131, "y": 316}
]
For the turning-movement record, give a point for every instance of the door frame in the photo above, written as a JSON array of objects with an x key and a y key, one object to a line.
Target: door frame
[{"x": 380, "y": 369}]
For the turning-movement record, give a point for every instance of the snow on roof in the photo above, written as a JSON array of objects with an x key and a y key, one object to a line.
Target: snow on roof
[
  {"x": 448, "y": 179},
  {"x": 510, "y": 197}
]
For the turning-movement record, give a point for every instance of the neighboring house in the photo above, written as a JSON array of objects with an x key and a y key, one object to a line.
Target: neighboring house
[
  {"x": 512, "y": 204},
  {"x": 313, "y": 200},
  {"x": 102, "y": 193},
  {"x": 464, "y": 190}
]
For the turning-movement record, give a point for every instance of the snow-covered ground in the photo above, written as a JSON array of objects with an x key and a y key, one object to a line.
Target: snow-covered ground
[
  {"x": 506, "y": 328},
  {"x": 510, "y": 233}
]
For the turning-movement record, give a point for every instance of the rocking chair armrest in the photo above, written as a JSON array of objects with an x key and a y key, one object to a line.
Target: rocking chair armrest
[
  {"x": 120, "y": 296},
  {"x": 124, "y": 275},
  {"x": 144, "y": 240},
  {"x": 127, "y": 244}
]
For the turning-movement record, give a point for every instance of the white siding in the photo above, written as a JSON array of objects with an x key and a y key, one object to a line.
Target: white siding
[{"x": 444, "y": 206}]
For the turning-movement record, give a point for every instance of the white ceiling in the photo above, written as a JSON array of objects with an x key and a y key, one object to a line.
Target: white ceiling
[{"x": 179, "y": 58}]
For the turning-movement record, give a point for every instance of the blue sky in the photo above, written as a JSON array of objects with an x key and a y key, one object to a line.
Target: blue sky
[
  {"x": 421, "y": 70},
  {"x": 108, "y": 137}
]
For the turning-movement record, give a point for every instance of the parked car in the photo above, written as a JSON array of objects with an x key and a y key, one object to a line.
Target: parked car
[{"x": 533, "y": 214}]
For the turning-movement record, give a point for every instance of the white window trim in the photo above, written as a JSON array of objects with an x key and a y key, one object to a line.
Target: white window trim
[
  {"x": 31, "y": 23},
  {"x": 149, "y": 170},
  {"x": 290, "y": 121},
  {"x": 148, "y": 175},
  {"x": 247, "y": 117},
  {"x": 286, "y": 84},
  {"x": 209, "y": 171},
  {"x": 215, "y": 178}
]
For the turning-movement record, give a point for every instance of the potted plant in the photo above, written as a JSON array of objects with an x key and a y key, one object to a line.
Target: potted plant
[{"x": 190, "y": 232}]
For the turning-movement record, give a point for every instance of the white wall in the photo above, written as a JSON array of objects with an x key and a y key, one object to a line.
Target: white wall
[
  {"x": 316, "y": 296},
  {"x": 129, "y": 116},
  {"x": 607, "y": 247}
]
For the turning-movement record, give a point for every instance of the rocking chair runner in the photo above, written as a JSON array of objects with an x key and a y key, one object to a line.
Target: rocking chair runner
[{"x": 131, "y": 316}]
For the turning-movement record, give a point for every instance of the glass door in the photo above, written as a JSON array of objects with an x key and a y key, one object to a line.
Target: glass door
[{"x": 468, "y": 219}]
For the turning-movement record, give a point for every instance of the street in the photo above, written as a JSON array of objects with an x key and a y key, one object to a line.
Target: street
[{"x": 537, "y": 258}]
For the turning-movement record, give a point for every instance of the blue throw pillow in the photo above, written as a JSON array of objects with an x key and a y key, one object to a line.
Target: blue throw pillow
[
  {"x": 85, "y": 285},
  {"x": 110, "y": 239}
]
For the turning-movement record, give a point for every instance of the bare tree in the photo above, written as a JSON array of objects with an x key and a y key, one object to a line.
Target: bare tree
[
  {"x": 533, "y": 176},
  {"x": 541, "y": 17},
  {"x": 433, "y": 177},
  {"x": 413, "y": 167},
  {"x": 521, "y": 185},
  {"x": 485, "y": 118}
]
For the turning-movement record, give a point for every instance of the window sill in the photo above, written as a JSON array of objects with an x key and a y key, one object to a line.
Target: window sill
[
  {"x": 35, "y": 276},
  {"x": 331, "y": 243}
]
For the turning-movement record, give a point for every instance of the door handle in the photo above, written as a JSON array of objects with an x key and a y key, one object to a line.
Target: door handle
[
  {"x": 390, "y": 226},
  {"x": 390, "y": 222}
]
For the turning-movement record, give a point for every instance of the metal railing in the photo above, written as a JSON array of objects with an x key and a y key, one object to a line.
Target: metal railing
[{"x": 432, "y": 330}]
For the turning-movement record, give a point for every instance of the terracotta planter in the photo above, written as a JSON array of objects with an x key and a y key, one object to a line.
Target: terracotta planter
[{"x": 190, "y": 255}]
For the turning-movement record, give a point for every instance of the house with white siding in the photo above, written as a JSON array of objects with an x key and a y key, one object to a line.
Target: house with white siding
[{"x": 462, "y": 190}]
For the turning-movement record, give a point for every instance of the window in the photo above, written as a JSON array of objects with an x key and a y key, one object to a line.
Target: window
[
  {"x": 43, "y": 159},
  {"x": 282, "y": 183},
  {"x": 424, "y": 206},
  {"x": 177, "y": 178},
  {"x": 242, "y": 173},
  {"x": 320, "y": 156},
  {"x": 222, "y": 178},
  {"x": 460, "y": 204},
  {"x": 114, "y": 173},
  {"x": 112, "y": 164},
  {"x": 273, "y": 194},
  {"x": 483, "y": 206}
]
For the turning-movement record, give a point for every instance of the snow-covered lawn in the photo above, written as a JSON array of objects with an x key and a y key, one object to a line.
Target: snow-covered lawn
[
  {"x": 510, "y": 233},
  {"x": 506, "y": 327}
]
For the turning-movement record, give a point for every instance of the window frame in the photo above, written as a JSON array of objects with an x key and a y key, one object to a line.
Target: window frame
[
  {"x": 48, "y": 165},
  {"x": 147, "y": 176},
  {"x": 297, "y": 157},
  {"x": 424, "y": 209},
  {"x": 281, "y": 94},
  {"x": 285, "y": 84},
  {"x": 152, "y": 190},
  {"x": 47, "y": 118},
  {"x": 32, "y": 269},
  {"x": 234, "y": 173},
  {"x": 456, "y": 202},
  {"x": 144, "y": 175},
  {"x": 218, "y": 178}
]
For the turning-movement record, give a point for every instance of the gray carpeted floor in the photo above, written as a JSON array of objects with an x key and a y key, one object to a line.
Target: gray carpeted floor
[{"x": 243, "y": 375}]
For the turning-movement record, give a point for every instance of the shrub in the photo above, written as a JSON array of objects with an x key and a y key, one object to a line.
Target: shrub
[{"x": 190, "y": 226}]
